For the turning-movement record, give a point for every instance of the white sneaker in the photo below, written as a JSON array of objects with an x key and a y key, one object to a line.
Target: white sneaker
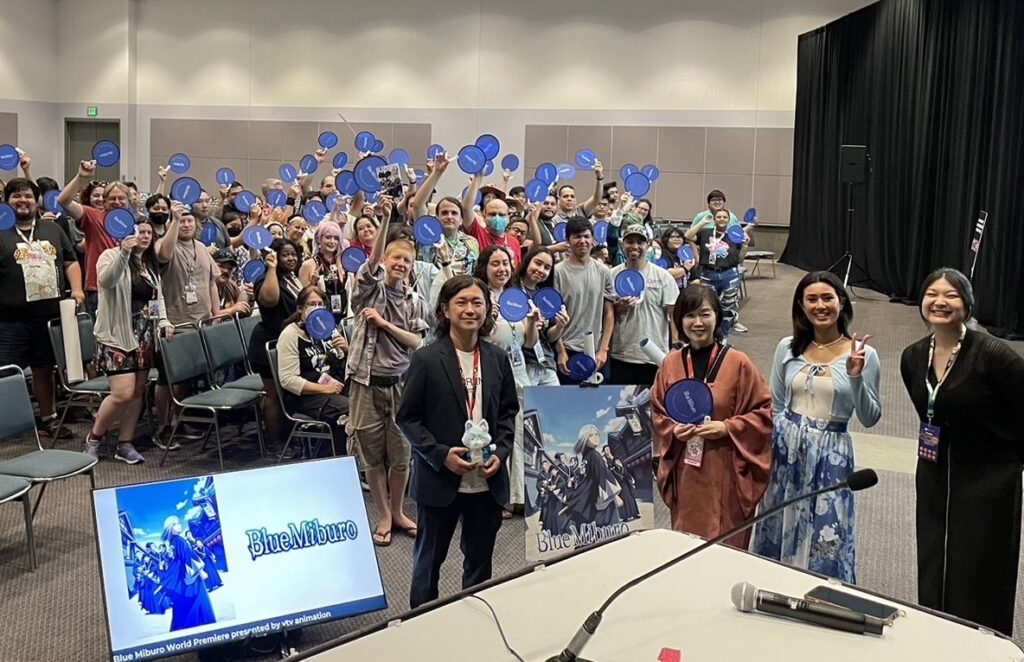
[{"x": 739, "y": 328}]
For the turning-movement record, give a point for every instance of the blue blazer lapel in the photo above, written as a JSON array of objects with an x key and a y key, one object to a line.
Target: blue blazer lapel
[{"x": 450, "y": 362}]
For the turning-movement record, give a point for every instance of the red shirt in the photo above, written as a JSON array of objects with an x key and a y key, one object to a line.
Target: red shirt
[
  {"x": 484, "y": 237},
  {"x": 96, "y": 241}
]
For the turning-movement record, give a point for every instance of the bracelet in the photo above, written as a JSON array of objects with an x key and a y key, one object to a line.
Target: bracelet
[
  {"x": 446, "y": 264},
  {"x": 600, "y": 179}
]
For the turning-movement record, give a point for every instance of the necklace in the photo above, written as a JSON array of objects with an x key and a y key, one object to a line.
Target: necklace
[{"x": 829, "y": 344}]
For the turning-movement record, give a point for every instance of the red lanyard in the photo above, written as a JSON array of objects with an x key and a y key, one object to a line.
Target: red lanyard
[
  {"x": 711, "y": 363},
  {"x": 471, "y": 392}
]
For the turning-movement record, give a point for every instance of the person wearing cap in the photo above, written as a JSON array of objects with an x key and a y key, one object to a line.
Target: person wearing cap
[
  {"x": 719, "y": 259},
  {"x": 233, "y": 299},
  {"x": 644, "y": 317}
]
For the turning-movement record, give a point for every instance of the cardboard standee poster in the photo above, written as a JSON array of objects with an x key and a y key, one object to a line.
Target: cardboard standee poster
[{"x": 587, "y": 466}]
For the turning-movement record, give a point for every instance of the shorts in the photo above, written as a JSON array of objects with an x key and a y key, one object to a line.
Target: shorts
[
  {"x": 372, "y": 431},
  {"x": 26, "y": 344},
  {"x": 113, "y": 361}
]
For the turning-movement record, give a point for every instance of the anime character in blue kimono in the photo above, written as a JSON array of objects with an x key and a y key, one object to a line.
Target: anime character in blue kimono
[{"x": 184, "y": 581}]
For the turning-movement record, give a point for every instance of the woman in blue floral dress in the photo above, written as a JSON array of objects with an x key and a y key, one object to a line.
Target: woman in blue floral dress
[{"x": 821, "y": 375}]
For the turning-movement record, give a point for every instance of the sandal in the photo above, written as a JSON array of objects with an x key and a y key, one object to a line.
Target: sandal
[
  {"x": 381, "y": 538},
  {"x": 410, "y": 531}
]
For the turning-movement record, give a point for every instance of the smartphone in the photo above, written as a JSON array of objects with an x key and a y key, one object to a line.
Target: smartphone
[{"x": 831, "y": 596}]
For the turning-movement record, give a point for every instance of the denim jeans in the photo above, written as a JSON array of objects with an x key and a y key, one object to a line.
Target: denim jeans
[{"x": 726, "y": 284}]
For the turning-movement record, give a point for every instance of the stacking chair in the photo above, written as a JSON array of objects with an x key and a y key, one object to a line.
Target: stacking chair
[
  {"x": 246, "y": 326},
  {"x": 222, "y": 341},
  {"x": 185, "y": 361},
  {"x": 40, "y": 467},
  {"x": 84, "y": 394},
  {"x": 302, "y": 426}
]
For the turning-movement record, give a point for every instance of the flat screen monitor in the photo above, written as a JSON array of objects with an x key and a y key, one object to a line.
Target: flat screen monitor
[{"x": 212, "y": 559}]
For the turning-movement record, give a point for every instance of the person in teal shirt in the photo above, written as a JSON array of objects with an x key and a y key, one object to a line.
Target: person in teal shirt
[{"x": 716, "y": 201}]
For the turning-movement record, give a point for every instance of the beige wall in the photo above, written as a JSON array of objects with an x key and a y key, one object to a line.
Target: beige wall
[{"x": 8, "y": 133}]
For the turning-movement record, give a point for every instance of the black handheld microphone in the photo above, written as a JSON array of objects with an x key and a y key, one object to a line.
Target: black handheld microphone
[
  {"x": 746, "y": 597},
  {"x": 858, "y": 480}
]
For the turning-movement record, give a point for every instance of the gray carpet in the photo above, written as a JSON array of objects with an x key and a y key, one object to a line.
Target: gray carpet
[{"x": 57, "y": 612}]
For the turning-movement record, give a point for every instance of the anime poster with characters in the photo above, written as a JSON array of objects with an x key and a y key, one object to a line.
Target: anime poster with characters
[
  {"x": 174, "y": 558},
  {"x": 587, "y": 466}
]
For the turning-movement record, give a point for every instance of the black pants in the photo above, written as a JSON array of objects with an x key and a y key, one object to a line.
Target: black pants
[
  {"x": 631, "y": 374},
  {"x": 481, "y": 519},
  {"x": 326, "y": 408}
]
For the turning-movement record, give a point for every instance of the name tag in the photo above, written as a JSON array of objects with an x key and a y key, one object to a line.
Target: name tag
[
  {"x": 928, "y": 442},
  {"x": 694, "y": 453},
  {"x": 336, "y": 303},
  {"x": 516, "y": 355}
]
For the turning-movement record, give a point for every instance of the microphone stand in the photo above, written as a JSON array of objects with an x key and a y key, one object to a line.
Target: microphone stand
[{"x": 862, "y": 479}]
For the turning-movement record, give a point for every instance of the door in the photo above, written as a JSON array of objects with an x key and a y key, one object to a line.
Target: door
[{"x": 80, "y": 136}]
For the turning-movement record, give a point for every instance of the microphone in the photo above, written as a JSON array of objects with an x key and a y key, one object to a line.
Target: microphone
[
  {"x": 856, "y": 481},
  {"x": 746, "y": 597}
]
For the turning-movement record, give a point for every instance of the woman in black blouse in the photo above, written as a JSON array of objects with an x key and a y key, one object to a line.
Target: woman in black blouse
[
  {"x": 966, "y": 387},
  {"x": 324, "y": 268}
]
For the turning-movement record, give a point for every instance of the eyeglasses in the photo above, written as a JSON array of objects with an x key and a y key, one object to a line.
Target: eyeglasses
[{"x": 313, "y": 306}]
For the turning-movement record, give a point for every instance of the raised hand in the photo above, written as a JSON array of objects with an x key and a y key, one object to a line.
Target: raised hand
[{"x": 855, "y": 361}]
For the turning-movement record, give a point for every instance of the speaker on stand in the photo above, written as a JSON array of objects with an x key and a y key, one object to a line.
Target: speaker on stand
[{"x": 854, "y": 168}]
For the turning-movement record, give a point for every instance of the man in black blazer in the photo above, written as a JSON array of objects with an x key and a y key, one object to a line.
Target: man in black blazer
[{"x": 456, "y": 379}]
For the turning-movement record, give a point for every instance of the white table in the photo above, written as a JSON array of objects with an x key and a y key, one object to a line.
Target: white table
[{"x": 688, "y": 608}]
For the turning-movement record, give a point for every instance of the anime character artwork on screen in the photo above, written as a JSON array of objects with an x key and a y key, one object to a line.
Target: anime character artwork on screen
[
  {"x": 173, "y": 548},
  {"x": 587, "y": 466}
]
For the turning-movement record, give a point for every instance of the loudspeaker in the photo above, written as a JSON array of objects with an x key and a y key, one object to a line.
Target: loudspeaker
[{"x": 854, "y": 164}]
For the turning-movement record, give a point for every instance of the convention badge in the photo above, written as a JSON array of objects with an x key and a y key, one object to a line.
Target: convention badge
[
  {"x": 378, "y": 146},
  {"x": 257, "y": 237},
  {"x": 225, "y": 176},
  {"x": 50, "y": 203},
  {"x": 510, "y": 162},
  {"x": 106, "y": 153},
  {"x": 736, "y": 234},
  {"x": 325, "y": 378},
  {"x": 750, "y": 216},
  {"x": 9, "y": 157},
  {"x": 427, "y": 230},
  {"x": 365, "y": 141},
  {"x": 320, "y": 324},
  {"x": 179, "y": 163},
  {"x": 558, "y": 232},
  {"x": 627, "y": 170},
  {"x": 586, "y": 159},
  {"x": 191, "y": 297},
  {"x": 434, "y": 151},
  {"x": 489, "y": 145},
  {"x": 253, "y": 270},
  {"x": 119, "y": 223},
  {"x": 689, "y": 401},
  {"x": 536, "y": 190},
  {"x": 186, "y": 190},
  {"x": 637, "y": 184},
  {"x": 471, "y": 159},
  {"x": 514, "y": 304},
  {"x": 399, "y": 156},
  {"x": 582, "y": 367},
  {"x": 7, "y": 216},
  {"x": 629, "y": 283},
  {"x": 516, "y": 356},
  {"x": 328, "y": 140},
  {"x": 153, "y": 309},
  {"x": 352, "y": 258},
  {"x": 651, "y": 172},
  {"x": 566, "y": 171},
  {"x": 308, "y": 164},
  {"x": 346, "y": 183},
  {"x": 288, "y": 173},
  {"x": 694, "y": 452},
  {"x": 208, "y": 235},
  {"x": 365, "y": 173},
  {"x": 276, "y": 198},
  {"x": 340, "y": 159},
  {"x": 685, "y": 253},
  {"x": 547, "y": 173},
  {"x": 548, "y": 302},
  {"x": 601, "y": 232},
  {"x": 928, "y": 442},
  {"x": 336, "y": 303}
]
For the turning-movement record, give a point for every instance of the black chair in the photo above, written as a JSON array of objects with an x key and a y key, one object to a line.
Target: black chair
[
  {"x": 184, "y": 361},
  {"x": 82, "y": 394},
  {"x": 302, "y": 426},
  {"x": 222, "y": 342}
]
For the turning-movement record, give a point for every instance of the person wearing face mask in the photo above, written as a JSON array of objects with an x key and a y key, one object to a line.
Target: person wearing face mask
[
  {"x": 821, "y": 376},
  {"x": 116, "y": 195},
  {"x": 711, "y": 475},
  {"x": 965, "y": 386},
  {"x": 158, "y": 211},
  {"x": 131, "y": 304},
  {"x": 488, "y": 230},
  {"x": 719, "y": 259},
  {"x": 313, "y": 371}
]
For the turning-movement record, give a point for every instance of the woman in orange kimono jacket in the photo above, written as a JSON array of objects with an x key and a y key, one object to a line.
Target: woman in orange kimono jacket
[{"x": 733, "y": 474}]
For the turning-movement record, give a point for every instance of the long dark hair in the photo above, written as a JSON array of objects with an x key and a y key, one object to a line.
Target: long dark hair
[
  {"x": 691, "y": 298},
  {"x": 300, "y": 302},
  {"x": 485, "y": 256},
  {"x": 453, "y": 286},
  {"x": 147, "y": 259},
  {"x": 803, "y": 330},
  {"x": 279, "y": 245},
  {"x": 517, "y": 277},
  {"x": 960, "y": 283}
]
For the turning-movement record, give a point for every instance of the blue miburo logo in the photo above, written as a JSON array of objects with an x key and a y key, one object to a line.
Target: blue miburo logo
[{"x": 309, "y": 533}]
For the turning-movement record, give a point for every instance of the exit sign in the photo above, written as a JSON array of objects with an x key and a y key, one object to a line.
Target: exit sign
[{"x": 92, "y": 111}]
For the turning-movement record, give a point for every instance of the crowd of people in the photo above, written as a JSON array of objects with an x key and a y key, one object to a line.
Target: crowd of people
[{"x": 421, "y": 347}]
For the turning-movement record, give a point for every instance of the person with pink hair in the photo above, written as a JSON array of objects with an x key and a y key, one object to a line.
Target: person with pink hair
[{"x": 324, "y": 269}]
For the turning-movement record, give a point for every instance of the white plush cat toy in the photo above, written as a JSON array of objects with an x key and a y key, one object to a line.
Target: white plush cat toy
[{"x": 478, "y": 440}]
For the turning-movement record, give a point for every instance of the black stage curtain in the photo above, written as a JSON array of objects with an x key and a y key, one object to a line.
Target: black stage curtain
[{"x": 935, "y": 89}]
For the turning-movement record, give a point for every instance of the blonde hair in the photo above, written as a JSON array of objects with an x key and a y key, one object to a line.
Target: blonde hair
[
  {"x": 113, "y": 185},
  {"x": 271, "y": 184},
  {"x": 400, "y": 245}
]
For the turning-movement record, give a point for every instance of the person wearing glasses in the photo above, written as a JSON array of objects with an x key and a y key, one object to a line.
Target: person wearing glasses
[{"x": 201, "y": 211}]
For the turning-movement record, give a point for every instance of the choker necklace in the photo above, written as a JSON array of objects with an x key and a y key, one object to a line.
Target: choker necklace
[{"x": 828, "y": 344}]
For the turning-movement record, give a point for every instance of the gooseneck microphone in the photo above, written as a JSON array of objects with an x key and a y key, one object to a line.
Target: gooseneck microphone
[
  {"x": 746, "y": 597},
  {"x": 856, "y": 481}
]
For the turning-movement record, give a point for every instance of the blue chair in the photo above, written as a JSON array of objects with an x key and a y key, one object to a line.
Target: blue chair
[{"x": 40, "y": 467}]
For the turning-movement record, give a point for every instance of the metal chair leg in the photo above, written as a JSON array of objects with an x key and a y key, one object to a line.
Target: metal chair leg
[
  {"x": 259, "y": 430},
  {"x": 170, "y": 439},
  {"x": 29, "y": 536},
  {"x": 287, "y": 442},
  {"x": 216, "y": 431},
  {"x": 39, "y": 498}
]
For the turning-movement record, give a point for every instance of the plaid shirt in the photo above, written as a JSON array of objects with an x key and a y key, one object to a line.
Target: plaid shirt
[{"x": 407, "y": 311}]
